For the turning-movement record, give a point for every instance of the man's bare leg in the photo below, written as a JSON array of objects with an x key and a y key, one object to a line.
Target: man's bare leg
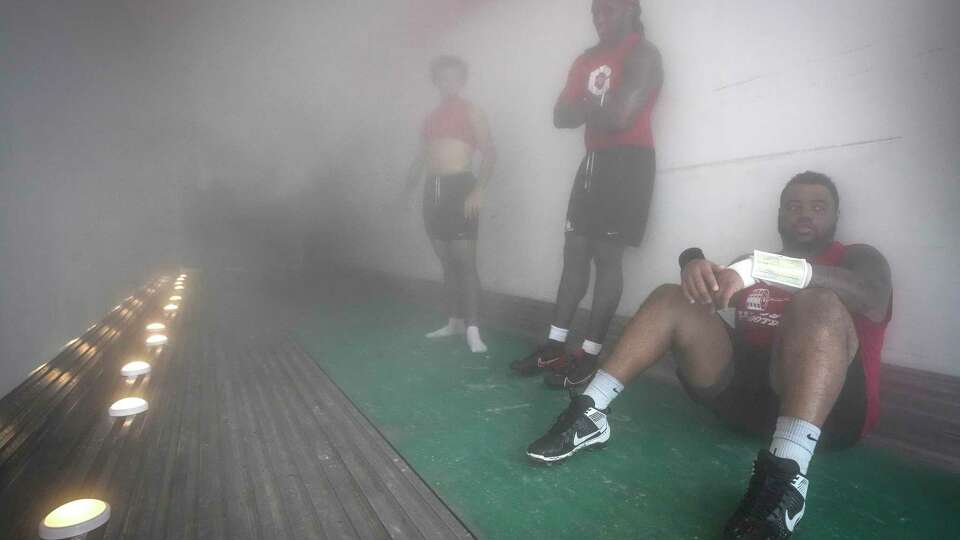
[
  {"x": 816, "y": 344},
  {"x": 665, "y": 322}
]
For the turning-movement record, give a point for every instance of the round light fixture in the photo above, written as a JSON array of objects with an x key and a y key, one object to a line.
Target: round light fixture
[
  {"x": 178, "y": 287},
  {"x": 128, "y": 407},
  {"x": 176, "y": 298},
  {"x": 135, "y": 369},
  {"x": 156, "y": 327},
  {"x": 74, "y": 519},
  {"x": 156, "y": 340},
  {"x": 171, "y": 307}
]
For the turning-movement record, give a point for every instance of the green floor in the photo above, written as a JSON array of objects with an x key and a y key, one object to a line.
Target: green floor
[{"x": 671, "y": 471}]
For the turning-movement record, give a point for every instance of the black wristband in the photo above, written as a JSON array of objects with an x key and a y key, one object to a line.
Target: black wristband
[{"x": 690, "y": 254}]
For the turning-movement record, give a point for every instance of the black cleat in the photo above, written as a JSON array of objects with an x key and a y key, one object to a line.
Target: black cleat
[
  {"x": 548, "y": 357},
  {"x": 774, "y": 503},
  {"x": 578, "y": 371},
  {"x": 579, "y": 427}
]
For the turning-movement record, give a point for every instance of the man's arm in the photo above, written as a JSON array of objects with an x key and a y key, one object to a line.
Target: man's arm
[
  {"x": 570, "y": 112},
  {"x": 488, "y": 151},
  {"x": 488, "y": 158},
  {"x": 642, "y": 76},
  {"x": 416, "y": 171},
  {"x": 863, "y": 282}
]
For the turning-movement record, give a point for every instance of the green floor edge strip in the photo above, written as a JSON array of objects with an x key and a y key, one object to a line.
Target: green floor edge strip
[{"x": 671, "y": 470}]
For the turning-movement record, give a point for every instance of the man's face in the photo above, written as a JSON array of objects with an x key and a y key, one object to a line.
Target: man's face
[
  {"x": 808, "y": 216},
  {"x": 612, "y": 19},
  {"x": 450, "y": 81}
]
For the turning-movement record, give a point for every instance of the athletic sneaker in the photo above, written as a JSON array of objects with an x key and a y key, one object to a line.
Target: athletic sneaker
[
  {"x": 548, "y": 357},
  {"x": 579, "y": 427},
  {"x": 579, "y": 370},
  {"x": 774, "y": 503}
]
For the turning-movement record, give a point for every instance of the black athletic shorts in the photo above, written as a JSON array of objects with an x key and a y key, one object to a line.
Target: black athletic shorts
[
  {"x": 443, "y": 207},
  {"x": 749, "y": 404},
  {"x": 611, "y": 196}
]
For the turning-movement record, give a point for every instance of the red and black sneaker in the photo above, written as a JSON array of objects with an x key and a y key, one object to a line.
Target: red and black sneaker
[
  {"x": 550, "y": 356},
  {"x": 579, "y": 370}
]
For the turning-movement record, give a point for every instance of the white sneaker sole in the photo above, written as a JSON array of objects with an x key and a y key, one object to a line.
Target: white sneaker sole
[{"x": 598, "y": 440}]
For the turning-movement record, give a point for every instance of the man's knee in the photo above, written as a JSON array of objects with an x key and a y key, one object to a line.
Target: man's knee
[
  {"x": 818, "y": 303},
  {"x": 666, "y": 293}
]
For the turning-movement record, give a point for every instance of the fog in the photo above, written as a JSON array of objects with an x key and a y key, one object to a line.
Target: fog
[{"x": 260, "y": 136}]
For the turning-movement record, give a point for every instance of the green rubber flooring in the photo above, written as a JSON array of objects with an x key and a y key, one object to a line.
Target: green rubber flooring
[{"x": 671, "y": 470}]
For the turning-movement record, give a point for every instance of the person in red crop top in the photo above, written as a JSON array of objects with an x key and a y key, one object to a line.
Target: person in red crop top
[
  {"x": 801, "y": 363},
  {"x": 610, "y": 91},
  {"x": 453, "y": 196}
]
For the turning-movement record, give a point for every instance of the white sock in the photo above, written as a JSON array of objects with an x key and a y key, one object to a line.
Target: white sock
[
  {"x": 603, "y": 389},
  {"x": 592, "y": 347},
  {"x": 453, "y": 327},
  {"x": 558, "y": 334},
  {"x": 795, "y": 439},
  {"x": 473, "y": 340}
]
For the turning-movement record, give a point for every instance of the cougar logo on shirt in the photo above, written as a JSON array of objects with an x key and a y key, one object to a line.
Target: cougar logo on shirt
[
  {"x": 599, "y": 81},
  {"x": 758, "y": 299}
]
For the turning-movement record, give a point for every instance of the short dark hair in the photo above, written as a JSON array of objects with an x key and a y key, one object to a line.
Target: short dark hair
[
  {"x": 813, "y": 178},
  {"x": 445, "y": 62}
]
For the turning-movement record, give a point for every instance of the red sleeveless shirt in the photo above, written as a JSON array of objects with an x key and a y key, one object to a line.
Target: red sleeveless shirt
[
  {"x": 760, "y": 309},
  {"x": 450, "y": 120},
  {"x": 598, "y": 71}
]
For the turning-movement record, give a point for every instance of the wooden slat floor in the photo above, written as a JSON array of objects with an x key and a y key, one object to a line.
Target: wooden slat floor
[{"x": 245, "y": 438}]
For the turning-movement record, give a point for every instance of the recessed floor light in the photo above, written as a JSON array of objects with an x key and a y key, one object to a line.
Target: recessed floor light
[
  {"x": 176, "y": 298},
  {"x": 156, "y": 340},
  {"x": 128, "y": 407},
  {"x": 156, "y": 327},
  {"x": 74, "y": 519},
  {"x": 171, "y": 307},
  {"x": 135, "y": 369}
]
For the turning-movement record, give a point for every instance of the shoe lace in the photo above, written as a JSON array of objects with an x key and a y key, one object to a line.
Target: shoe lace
[
  {"x": 771, "y": 494},
  {"x": 566, "y": 419},
  {"x": 749, "y": 501}
]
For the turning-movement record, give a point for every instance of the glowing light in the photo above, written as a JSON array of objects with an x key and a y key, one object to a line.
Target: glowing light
[
  {"x": 128, "y": 407},
  {"x": 135, "y": 369},
  {"x": 156, "y": 327},
  {"x": 156, "y": 340},
  {"x": 178, "y": 287},
  {"x": 171, "y": 307},
  {"x": 74, "y": 518},
  {"x": 176, "y": 298}
]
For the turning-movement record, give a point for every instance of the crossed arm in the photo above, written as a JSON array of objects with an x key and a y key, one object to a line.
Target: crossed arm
[{"x": 643, "y": 75}]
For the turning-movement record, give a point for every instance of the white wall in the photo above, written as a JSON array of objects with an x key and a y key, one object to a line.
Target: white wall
[
  {"x": 117, "y": 114},
  {"x": 89, "y": 171},
  {"x": 756, "y": 91}
]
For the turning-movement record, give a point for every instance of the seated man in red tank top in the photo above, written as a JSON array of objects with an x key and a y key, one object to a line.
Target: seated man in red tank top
[{"x": 801, "y": 363}]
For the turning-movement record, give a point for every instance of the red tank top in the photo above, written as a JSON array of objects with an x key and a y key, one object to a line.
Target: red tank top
[
  {"x": 760, "y": 309},
  {"x": 599, "y": 71},
  {"x": 450, "y": 120}
]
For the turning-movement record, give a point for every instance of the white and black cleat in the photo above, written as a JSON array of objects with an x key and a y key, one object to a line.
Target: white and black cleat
[
  {"x": 774, "y": 503},
  {"x": 580, "y": 426}
]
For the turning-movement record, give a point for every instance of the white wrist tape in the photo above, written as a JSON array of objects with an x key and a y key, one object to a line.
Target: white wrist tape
[
  {"x": 744, "y": 269},
  {"x": 780, "y": 269}
]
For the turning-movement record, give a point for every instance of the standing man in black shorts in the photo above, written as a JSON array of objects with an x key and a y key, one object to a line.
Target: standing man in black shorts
[{"x": 611, "y": 90}]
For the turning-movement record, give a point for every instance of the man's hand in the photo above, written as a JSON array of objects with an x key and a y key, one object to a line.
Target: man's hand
[
  {"x": 471, "y": 207},
  {"x": 730, "y": 284},
  {"x": 698, "y": 279}
]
